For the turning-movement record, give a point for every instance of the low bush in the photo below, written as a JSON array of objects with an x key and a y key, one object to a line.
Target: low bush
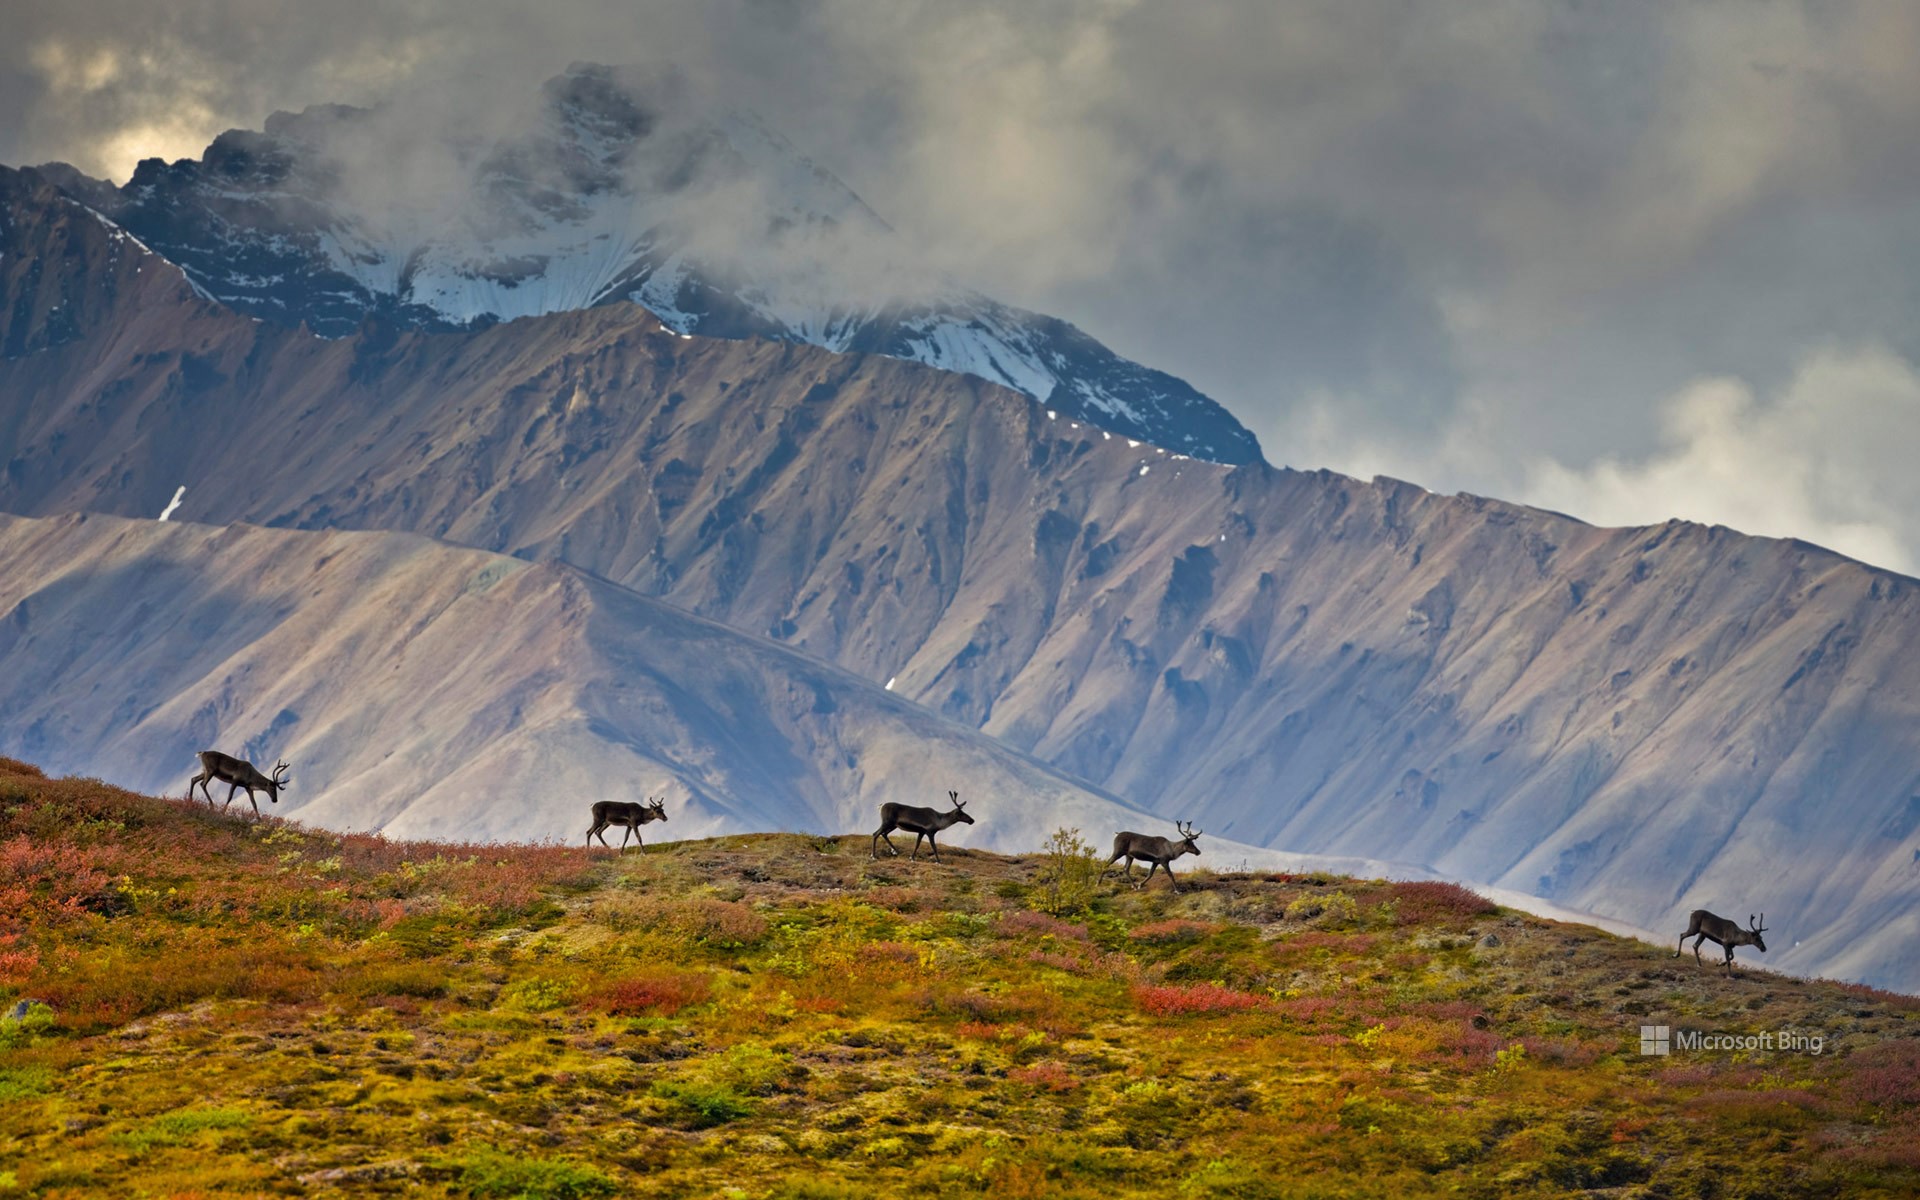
[
  {"x": 1069, "y": 875},
  {"x": 1429, "y": 902},
  {"x": 1193, "y": 999},
  {"x": 661, "y": 994},
  {"x": 1177, "y": 931},
  {"x": 1048, "y": 1076}
]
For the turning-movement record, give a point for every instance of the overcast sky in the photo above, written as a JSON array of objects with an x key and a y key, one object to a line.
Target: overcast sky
[{"x": 1626, "y": 260}]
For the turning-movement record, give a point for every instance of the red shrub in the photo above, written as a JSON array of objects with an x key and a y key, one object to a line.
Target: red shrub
[
  {"x": 721, "y": 923},
  {"x": 1476, "y": 1048},
  {"x": 1312, "y": 942},
  {"x": 1174, "y": 932},
  {"x": 1885, "y": 1075},
  {"x": 1047, "y": 1076},
  {"x": 662, "y": 995},
  {"x": 1015, "y": 924},
  {"x": 1450, "y": 1010},
  {"x": 16, "y": 961},
  {"x": 1896, "y": 1147},
  {"x": 1769, "y": 1107},
  {"x": 1194, "y": 999},
  {"x": 1899, "y": 1001},
  {"x": 819, "y": 1004},
  {"x": 1308, "y": 1010},
  {"x": 1431, "y": 901},
  {"x": 1059, "y": 962},
  {"x": 46, "y": 882},
  {"x": 1035, "y": 1006},
  {"x": 1570, "y": 1053},
  {"x": 900, "y": 899},
  {"x": 889, "y": 952}
]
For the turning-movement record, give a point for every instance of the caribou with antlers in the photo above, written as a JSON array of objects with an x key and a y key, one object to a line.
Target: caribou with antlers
[
  {"x": 1158, "y": 852},
  {"x": 632, "y": 816},
  {"x": 921, "y": 822},
  {"x": 1727, "y": 933},
  {"x": 241, "y": 774}
]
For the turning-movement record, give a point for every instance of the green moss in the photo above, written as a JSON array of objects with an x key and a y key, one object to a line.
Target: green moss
[
  {"x": 174, "y": 1128},
  {"x": 491, "y": 1172}
]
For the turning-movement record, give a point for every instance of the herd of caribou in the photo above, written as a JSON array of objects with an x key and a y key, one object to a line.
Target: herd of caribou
[{"x": 923, "y": 823}]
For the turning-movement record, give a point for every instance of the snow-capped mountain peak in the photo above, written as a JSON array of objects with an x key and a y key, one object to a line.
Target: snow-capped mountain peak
[{"x": 616, "y": 185}]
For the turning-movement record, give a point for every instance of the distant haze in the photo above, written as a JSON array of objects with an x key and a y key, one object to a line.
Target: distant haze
[{"x": 1627, "y": 260}]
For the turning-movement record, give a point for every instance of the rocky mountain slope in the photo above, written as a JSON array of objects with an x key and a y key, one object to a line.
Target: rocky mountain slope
[
  {"x": 129, "y": 645},
  {"x": 1634, "y": 722},
  {"x": 615, "y": 186}
]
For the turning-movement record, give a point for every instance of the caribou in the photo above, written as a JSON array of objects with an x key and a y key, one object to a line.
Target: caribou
[
  {"x": 1158, "y": 852},
  {"x": 1727, "y": 934},
  {"x": 241, "y": 774},
  {"x": 632, "y": 816},
  {"x": 921, "y": 822}
]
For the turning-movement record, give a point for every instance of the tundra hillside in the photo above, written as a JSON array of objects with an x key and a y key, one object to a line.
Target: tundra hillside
[{"x": 209, "y": 1005}]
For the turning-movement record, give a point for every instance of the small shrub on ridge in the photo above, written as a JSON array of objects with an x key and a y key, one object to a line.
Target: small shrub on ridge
[
  {"x": 1432, "y": 901},
  {"x": 1069, "y": 875}
]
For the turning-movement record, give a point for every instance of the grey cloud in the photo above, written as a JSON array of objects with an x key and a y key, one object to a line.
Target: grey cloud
[{"x": 1459, "y": 239}]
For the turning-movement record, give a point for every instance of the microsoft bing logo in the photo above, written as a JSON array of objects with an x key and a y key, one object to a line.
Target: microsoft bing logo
[{"x": 1653, "y": 1039}]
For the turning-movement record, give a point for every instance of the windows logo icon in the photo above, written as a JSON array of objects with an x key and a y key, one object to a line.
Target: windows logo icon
[{"x": 1653, "y": 1039}]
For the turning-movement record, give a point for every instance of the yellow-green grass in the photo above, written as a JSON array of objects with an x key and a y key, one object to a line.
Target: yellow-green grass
[{"x": 240, "y": 1007}]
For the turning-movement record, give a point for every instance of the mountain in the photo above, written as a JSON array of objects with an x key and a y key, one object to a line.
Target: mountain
[
  {"x": 616, "y": 186},
  {"x": 1634, "y": 722},
  {"x": 131, "y": 644}
]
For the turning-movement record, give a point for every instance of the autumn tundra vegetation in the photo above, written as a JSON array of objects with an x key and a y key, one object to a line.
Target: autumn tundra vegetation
[{"x": 193, "y": 1004}]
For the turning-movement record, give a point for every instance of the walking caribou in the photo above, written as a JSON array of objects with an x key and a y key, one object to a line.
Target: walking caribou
[
  {"x": 1727, "y": 933},
  {"x": 1158, "y": 852},
  {"x": 241, "y": 774},
  {"x": 921, "y": 822},
  {"x": 632, "y": 816}
]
